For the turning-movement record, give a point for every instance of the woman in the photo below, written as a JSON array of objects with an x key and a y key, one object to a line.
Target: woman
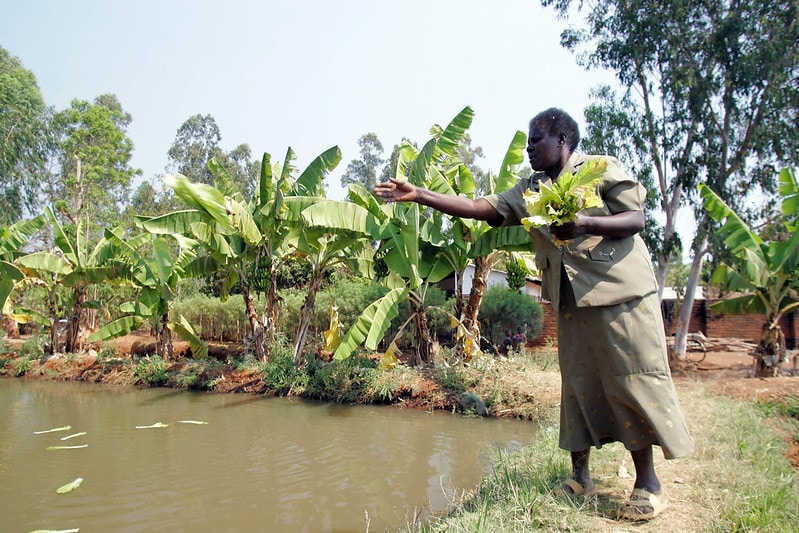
[{"x": 616, "y": 384}]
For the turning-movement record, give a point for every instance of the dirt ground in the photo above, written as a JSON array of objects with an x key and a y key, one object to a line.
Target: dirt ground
[{"x": 728, "y": 367}]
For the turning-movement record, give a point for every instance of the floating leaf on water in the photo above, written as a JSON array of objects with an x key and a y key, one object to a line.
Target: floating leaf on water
[
  {"x": 82, "y": 433},
  {"x": 65, "y": 428},
  {"x": 67, "y": 447},
  {"x": 70, "y": 486},
  {"x": 198, "y": 422},
  {"x": 156, "y": 425}
]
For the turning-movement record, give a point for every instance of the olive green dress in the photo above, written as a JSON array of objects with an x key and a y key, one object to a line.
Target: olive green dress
[{"x": 616, "y": 383}]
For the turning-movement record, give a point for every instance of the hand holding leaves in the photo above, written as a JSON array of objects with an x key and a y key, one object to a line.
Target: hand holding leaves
[{"x": 560, "y": 202}]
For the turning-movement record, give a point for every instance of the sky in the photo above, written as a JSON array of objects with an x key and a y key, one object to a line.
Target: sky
[{"x": 300, "y": 73}]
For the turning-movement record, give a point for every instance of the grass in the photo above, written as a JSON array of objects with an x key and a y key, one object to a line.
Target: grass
[{"x": 737, "y": 480}]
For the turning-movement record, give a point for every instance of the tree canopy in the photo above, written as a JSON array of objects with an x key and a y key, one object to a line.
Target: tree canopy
[{"x": 22, "y": 138}]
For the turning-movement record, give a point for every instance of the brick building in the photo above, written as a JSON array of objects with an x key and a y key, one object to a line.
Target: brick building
[{"x": 714, "y": 325}]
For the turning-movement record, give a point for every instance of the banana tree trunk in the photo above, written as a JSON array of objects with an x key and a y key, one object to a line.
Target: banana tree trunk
[
  {"x": 53, "y": 348},
  {"x": 256, "y": 327},
  {"x": 470, "y": 311},
  {"x": 163, "y": 338},
  {"x": 770, "y": 351},
  {"x": 422, "y": 344},
  {"x": 305, "y": 317},
  {"x": 73, "y": 344}
]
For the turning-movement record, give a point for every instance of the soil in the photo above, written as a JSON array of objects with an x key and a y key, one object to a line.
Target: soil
[{"x": 728, "y": 367}]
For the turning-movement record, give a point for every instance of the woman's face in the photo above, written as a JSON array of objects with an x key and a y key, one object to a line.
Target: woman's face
[{"x": 544, "y": 150}]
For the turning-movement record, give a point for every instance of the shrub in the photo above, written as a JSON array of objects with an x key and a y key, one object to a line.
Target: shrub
[
  {"x": 152, "y": 371},
  {"x": 280, "y": 374},
  {"x": 505, "y": 309}
]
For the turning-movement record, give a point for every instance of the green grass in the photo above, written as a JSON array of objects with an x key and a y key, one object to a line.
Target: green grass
[{"x": 737, "y": 480}]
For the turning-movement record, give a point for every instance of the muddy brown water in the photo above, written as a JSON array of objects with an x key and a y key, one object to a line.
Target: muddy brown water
[{"x": 257, "y": 464}]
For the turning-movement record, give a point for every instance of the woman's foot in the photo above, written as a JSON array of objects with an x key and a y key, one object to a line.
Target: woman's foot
[
  {"x": 643, "y": 505},
  {"x": 574, "y": 488}
]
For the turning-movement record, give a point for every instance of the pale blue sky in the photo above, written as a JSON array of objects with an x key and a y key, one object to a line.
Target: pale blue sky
[{"x": 301, "y": 73}]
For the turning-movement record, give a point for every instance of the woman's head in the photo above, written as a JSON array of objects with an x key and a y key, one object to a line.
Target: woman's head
[
  {"x": 552, "y": 139},
  {"x": 557, "y": 122}
]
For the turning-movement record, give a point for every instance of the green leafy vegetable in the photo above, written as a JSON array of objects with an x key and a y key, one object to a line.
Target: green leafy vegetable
[
  {"x": 69, "y": 486},
  {"x": 560, "y": 202}
]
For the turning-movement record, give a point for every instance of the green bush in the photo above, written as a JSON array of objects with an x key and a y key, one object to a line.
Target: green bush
[
  {"x": 504, "y": 309},
  {"x": 152, "y": 371},
  {"x": 347, "y": 381},
  {"x": 280, "y": 374}
]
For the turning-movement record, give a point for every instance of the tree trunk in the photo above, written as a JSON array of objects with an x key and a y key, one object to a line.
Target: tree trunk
[
  {"x": 73, "y": 344},
  {"x": 256, "y": 328},
  {"x": 305, "y": 317},
  {"x": 470, "y": 311},
  {"x": 684, "y": 319},
  {"x": 770, "y": 351},
  {"x": 422, "y": 345},
  {"x": 163, "y": 338},
  {"x": 54, "y": 326},
  {"x": 271, "y": 315}
]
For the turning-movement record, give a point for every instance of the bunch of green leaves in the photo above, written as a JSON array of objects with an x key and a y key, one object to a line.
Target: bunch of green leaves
[{"x": 559, "y": 202}]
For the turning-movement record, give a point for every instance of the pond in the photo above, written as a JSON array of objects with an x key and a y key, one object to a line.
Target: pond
[{"x": 230, "y": 462}]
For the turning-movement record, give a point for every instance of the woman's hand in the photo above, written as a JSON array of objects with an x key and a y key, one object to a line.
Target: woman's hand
[
  {"x": 396, "y": 191},
  {"x": 624, "y": 224},
  {"x": 570, "y": 230}
]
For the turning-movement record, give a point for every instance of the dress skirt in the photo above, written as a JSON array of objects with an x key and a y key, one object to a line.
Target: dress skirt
[{"x": 617, "y": 385}]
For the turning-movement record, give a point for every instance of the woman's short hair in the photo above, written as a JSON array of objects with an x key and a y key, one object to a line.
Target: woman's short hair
[{"x": 555, "y": 122}]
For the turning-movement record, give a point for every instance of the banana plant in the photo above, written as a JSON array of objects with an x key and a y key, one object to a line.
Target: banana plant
[
  {"x": 156, "y": 277},
  {"x": 476, "y": 242},
  {"x": 412, "y": 252},
  {"x": 245, "y": 239},
  {"x": 764, "y": 276},
  {"x": 73, "y": 266},
  {"x": 12, "y": 239}
]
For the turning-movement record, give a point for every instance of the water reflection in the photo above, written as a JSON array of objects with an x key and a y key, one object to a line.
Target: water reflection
[{"x": 260, "y": 464}]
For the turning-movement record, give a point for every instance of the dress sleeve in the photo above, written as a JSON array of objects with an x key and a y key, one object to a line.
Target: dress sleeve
[
  {"x": 510, "y": 203},
  {"x": 619, "y": 191}
]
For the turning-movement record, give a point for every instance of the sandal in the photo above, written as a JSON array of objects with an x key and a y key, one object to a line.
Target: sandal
[
  {"x": 573, "y": 488},
  {"x": 643, "y": 505}
]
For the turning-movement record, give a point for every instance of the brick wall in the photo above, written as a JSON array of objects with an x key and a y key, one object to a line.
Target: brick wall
[{"x": 712, "y": 324}]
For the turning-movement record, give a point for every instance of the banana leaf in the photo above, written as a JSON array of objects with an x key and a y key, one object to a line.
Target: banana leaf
[{"x": 371, "y": 325}]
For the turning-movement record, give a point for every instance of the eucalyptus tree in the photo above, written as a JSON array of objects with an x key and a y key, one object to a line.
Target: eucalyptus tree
[
  {"x": 365, "y": 170},
  {"x": 197, "y": 142},
  {"x": 709, "y": 95},
  {"x": 246, "y": 238},
  {"x": 92, "y": 174},
  {"x": 763, "y": 276},
  {"x": 23, "y": 139}
]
